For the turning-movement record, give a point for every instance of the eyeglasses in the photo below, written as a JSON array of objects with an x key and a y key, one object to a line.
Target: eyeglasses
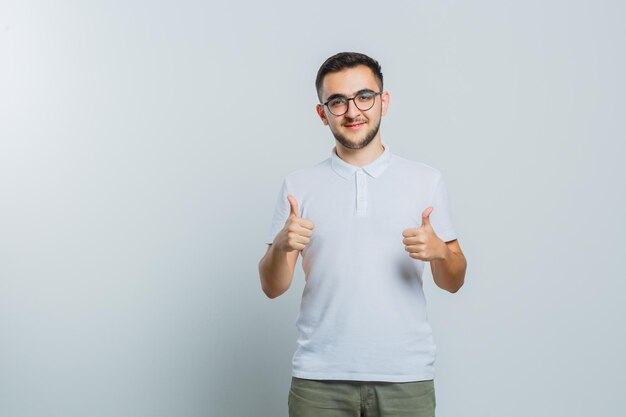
[{"x": 363, "y": 100}]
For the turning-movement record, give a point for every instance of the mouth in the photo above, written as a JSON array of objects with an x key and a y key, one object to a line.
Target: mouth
[{"x": 355, "y": 125}]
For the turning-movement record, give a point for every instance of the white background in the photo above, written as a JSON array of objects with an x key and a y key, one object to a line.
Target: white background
[{"x": 142, "y": 147}]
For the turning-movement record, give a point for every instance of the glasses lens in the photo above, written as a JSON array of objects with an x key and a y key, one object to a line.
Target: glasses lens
[
  {"x": 338, "y": 106},
  {"x": 365, "y": 100}
]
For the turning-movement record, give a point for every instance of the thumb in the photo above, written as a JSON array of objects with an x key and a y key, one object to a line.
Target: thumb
[
  {"x": 294, "y": 205},
  {"x": 425, "y": 216}
]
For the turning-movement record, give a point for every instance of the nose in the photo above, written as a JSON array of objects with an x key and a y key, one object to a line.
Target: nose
[{"x": 353, "y": 111}]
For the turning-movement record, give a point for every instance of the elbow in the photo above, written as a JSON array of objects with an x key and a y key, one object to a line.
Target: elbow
[
  {"x": 458, "y": 286},
  {"x": 268, "y": 294},
  {"x": 455, "y": 290},
  {"x": 452, "y": 285},
  {"x": 460, "y": 279},
  {"x": 272, "y": 293}
]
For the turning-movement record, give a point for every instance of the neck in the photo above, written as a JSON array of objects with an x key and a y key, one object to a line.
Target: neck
[{"x": 363, "y": 156}]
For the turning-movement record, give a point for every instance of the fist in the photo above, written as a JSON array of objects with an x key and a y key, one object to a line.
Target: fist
[
  {"x": 422, "y": 243},
  {"x": 297, "y": 231}
]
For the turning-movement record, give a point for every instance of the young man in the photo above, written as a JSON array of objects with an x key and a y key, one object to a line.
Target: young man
[{"x": 365, "y": 221}]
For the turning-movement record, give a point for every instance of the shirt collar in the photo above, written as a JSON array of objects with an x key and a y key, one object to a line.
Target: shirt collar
[{"x": 374, "y": 168}]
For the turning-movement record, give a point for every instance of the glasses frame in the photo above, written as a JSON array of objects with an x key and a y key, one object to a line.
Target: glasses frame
[{"x": 376, "y": 93}]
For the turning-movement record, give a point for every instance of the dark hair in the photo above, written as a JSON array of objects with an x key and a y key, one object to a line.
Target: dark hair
[{"x": 344, "y": 60}]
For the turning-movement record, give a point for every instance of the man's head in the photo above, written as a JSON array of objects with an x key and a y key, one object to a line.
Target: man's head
[
  {"x": 352, "y": 102},
  {"x": 344, "y": 60}
]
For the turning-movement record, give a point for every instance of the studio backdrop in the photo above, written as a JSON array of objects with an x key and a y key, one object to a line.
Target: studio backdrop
[{"x": 142, "y": 149}]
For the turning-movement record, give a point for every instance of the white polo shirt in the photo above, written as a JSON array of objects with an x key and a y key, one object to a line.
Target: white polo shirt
[{"x": 363, "y": 312}]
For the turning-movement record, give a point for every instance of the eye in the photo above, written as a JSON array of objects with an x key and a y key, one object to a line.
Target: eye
[
  {"x": 365, "y": 96},
  {"x": 338, "y": 101}
]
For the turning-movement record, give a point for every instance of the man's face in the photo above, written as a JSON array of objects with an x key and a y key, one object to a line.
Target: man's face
[{"x": 356, "y": 128}]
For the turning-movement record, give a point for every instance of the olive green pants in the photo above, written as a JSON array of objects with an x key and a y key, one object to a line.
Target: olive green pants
[{"x": 333, "y": 398}]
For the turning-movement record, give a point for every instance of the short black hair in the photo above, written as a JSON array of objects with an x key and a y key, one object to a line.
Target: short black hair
[{"x": 344, "y": 60}]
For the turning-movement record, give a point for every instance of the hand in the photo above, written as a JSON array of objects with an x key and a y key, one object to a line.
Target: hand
[
  {"x": 422, "y": 243},
  {"x": 297, "y": 231}
]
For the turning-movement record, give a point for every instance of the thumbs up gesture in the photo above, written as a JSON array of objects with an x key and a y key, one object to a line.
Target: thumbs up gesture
[
  {"x": 297, "y": 231},
  {"x": 422, "y": 243}
]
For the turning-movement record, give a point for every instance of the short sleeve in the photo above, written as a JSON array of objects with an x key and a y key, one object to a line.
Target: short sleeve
[
  {"x": 281, "y": 212},
  {"x": 441, "y": 216}
]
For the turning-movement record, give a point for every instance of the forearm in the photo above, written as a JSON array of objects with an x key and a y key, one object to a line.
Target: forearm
[
  {"x": 449, "y": 272},
  {"x": 275, "y": 272}
]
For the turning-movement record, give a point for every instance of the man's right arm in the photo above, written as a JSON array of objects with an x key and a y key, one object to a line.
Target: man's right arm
[
  {"x": 277, "y": 266},
  {"x": 276, "y": 270}
]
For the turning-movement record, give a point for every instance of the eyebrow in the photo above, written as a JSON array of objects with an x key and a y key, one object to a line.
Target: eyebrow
[{"x": 355, "y": 94}]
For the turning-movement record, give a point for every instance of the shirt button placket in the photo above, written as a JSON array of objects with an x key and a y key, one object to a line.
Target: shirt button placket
[{"x": 361, "y": 193}]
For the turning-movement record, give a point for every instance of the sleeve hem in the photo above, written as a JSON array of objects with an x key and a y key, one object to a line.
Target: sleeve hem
[{"x": 447, "y": 235}]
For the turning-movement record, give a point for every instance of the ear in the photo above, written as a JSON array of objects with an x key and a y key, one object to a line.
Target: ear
[
  {"x": 320, "y": 112},
  {"x": 384, "y": 98}
]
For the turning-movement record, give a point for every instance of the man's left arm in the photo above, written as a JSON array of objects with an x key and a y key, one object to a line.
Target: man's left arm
[
  {"x": 447, "y": 261},
  {"x": 449, "y": 269}
]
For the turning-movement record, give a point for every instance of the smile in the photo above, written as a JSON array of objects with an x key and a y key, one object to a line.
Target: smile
[{"x": 355, "y": 126}]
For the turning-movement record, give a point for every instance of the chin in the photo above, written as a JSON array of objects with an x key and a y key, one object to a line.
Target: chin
[
  {"x": 357, "y": 143},
  {"x": 354, "y": 145}
]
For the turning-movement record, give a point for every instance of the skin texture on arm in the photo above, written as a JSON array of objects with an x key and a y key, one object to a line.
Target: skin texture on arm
[
  {"x": 449, "y": 271},
  {"x": 447, "y": 261},
  {"x": 276, "y": 268}
]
